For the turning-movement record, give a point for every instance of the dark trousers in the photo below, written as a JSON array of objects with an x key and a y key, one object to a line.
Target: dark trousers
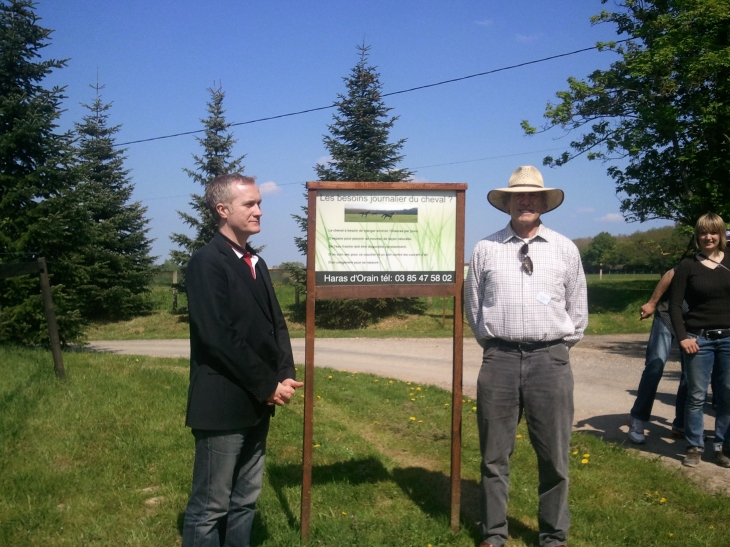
[
  {"x": 540, "y": 384},
  {"x": 227, "y": 478}
]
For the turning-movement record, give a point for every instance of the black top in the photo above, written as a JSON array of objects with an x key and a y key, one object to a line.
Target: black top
[{"x": 707, "y": 293}]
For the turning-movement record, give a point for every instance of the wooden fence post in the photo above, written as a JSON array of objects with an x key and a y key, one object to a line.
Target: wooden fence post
[
  {"x": 174, "y": 291},
  {"x": 51, "y": 320}
]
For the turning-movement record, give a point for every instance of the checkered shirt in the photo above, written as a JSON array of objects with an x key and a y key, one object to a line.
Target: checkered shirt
[{"x": 503, "y": 301}]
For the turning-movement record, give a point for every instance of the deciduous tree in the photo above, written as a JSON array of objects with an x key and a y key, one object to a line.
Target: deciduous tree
[{"x": 660, "y": 115}]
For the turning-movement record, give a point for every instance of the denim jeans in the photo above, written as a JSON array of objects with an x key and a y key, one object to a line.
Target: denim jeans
[
  {"x": 227, "y": 478},
  {"x": 540, "y": 384},
  {"x": 699, "y": 368},
  {"x": 657, "y": 353}
]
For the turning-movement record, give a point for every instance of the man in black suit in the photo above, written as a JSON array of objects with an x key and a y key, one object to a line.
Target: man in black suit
[{"x": 241, "y": 366}]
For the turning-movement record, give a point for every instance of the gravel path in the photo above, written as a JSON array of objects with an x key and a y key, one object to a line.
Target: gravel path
[{"x": 607, "y": 370}]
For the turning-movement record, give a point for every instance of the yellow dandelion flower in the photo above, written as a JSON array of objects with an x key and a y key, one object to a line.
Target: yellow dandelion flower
[
  {"x": 344, "y": 513},
  {"x": 584, "y": 460},
  {"x": 136, "y": 360},
  {"x": 390, "y": 382},
  {"x": 671, "y": 535},
  {"x": 376, "y": 381},
  {"x": 588, "y": 456},
  {"x": 408, "y": 383},
  {"x": 330, "y": 376},
  {"x": 319, "y": 396},
  {"x": 663, "y": 500},
  {"x": 575, "y": 452},
  {"x": 316, "y": 446},
  {"x": 302, "y": 396},
  {"x": 519, "y": 436},
  {"x": 420, "y": 421},
  {"x": 446, "y": 404},
  {"x": 712, "y": 527},
  {"x": 418, "y": 389},
  {"x": 412, "y": 399},
  {"x": 413, "y": 418},
  {"x": 474, "y": 408}
]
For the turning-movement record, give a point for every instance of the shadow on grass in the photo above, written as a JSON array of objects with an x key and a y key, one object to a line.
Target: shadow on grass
[
  {"x": 659, "y": 440},
  {"x": 429, "y": 490}
]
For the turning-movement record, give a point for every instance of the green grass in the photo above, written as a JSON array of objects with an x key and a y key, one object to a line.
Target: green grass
[
  {"x": 104, "y": 459},
  {"x": 614, "y": 302},
  {"x": 613, "y": 305}
]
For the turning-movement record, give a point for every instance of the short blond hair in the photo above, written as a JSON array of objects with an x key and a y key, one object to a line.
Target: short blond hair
[
  {"x": 219, "y": 190},
  {"x": 710, "y": 223}
]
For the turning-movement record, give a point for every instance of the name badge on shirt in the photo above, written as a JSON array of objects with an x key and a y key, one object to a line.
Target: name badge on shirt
[{"x": 543, "y": 298}]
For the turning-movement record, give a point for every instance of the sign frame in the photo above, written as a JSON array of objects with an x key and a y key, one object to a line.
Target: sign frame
[{"x": 319, "y": 292}]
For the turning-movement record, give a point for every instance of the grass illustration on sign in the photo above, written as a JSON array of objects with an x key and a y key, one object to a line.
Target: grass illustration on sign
[{"x": 381, "y": 215}]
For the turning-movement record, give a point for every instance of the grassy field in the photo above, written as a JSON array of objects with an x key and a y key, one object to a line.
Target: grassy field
[
  {"x": 104, "y": 459},
  {"x": 613, "y": 305}
]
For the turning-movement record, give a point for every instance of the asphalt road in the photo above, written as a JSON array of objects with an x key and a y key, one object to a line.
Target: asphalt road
[{"x": 606, "y": 369}]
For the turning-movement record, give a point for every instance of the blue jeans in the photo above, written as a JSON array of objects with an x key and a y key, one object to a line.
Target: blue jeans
[
  {"x": 227, "y": 478},
  {"x": 699, "y": 369},
  {"x": 540, "y": 383},
  {"x": 657, "y": 353}
]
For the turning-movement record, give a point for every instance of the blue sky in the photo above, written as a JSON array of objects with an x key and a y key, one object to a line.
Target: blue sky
[{"x": 157, "y": 58}]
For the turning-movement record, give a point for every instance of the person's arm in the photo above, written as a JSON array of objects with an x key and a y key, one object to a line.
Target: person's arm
[
  {"x": 647, "y": 309},
  {"x": 473, "y": 290},
  {"x": 576, "y": 298},
  {"x": 676, "y": 296}
]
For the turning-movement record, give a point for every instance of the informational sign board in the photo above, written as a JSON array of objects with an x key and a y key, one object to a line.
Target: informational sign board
[{"x": 385, "y": 238}]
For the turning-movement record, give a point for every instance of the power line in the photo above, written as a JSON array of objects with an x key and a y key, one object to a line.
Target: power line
[
  {"x": 409, "y": 90},
  {"x": 418, "y": 167}
]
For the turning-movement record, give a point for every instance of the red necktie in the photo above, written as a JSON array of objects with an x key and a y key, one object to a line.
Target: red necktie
[{"x": 247, "y": 260}]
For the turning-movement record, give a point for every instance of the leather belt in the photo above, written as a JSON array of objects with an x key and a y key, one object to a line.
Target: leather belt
[
  {"x": 712, "y": 334},
  {"x": 524, "y": 346}
]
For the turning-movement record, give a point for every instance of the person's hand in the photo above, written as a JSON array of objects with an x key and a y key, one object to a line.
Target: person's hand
[
  {"x": 292, "y": 383},
  {"x": 282, "y": 395},
  {"x": 689, "y": 346},
  {"x": 646, "y": 310}
]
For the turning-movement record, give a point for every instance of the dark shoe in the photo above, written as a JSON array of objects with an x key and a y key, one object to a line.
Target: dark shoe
[
  {"x": 677, "y": 432},
  {"x": 693, "y": 457},
  {"x": 722, "y": 458}
]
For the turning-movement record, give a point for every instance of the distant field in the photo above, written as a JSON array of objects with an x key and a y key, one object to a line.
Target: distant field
[
  {"x": 613, "y": 305},
  {"x": 379, "y": 218}
]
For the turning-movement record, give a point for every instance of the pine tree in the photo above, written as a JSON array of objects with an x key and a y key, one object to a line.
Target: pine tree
[
  {"x": 360, "y": 150},
  {"x": 117, "y": 255},
  {"x": 358, "y": 140},
  {"x": 40, "y": 211},
  {"x": 217, "y": 159}
]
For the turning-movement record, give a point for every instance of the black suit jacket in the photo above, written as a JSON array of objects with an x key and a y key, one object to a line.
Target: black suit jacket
[{"x": 239, "y": 342}]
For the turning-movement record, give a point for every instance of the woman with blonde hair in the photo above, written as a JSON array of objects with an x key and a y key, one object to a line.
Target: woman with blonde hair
[{"x": 704, "y": 335}]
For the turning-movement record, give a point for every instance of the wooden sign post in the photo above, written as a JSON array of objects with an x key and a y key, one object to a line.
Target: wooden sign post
[
  {"x": 39, "y": 267},
  {"x": 380, "y": 240}
]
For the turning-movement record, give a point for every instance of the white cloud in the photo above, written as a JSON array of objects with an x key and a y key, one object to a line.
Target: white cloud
[
  {"x": 611, "y": 217},
  {"x": 269, "y": 187},
  {"x": 324, "y": 160},
  {"x": 528, "y": 38},
  {"x": 484, "y": 22},
  {"x": 585, "y": 210}
]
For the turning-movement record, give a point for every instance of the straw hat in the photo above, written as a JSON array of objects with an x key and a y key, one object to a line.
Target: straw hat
[{"x": 525, "y": 179}]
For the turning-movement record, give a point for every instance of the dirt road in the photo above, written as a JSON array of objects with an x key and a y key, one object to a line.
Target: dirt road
[{"x": 607, "y": 370}]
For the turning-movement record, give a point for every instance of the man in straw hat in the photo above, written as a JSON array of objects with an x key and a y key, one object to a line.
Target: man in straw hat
[{"x": 526, "y": 303}]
